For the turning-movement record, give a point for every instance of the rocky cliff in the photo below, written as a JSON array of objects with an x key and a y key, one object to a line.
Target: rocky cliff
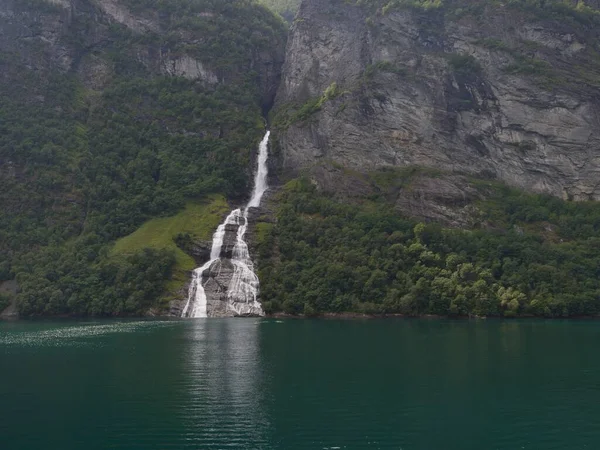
[
  {"x": 508, "y": 91},
  {"x": 78, "y": 36}
]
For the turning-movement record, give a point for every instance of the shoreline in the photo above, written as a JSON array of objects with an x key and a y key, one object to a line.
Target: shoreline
[
  {"x": 282, "y": 315},
  {"x": 352, "y": 316}
]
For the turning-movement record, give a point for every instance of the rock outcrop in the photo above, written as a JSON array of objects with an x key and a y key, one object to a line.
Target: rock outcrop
[
  {"x": 492, "y": 89},
  {"x": 73, "y": 36}
]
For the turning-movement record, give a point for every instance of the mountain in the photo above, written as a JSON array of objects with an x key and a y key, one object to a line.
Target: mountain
[
  {"x": 114, "y": 113},
  {"x": 439, "y": 157},
  {"x": 500, "y": 90},
  {"x": 426, "y": 156},
  {"x": 286, "y": 8}
]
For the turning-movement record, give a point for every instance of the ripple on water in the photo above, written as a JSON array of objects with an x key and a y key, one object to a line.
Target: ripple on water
[
  {"x": 78, "y": 335},
  {"x": 300, "y": 385}
]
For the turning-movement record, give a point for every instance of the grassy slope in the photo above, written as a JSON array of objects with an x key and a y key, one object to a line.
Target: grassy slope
[{"x": 200, "y": 220}]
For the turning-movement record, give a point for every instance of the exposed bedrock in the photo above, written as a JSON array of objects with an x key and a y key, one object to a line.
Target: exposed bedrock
[{"x": 504, "y": 94}]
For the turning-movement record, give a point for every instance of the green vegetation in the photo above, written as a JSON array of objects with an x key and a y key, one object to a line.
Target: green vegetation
[
  {"x": 418, "y": 4},
  {"x": 529, "y": 66},
  {"x": 4, "y": 301},
  {"x": 291, "y": 115},
  {"x": 384, "y": 66},
  {"x": 526, "y": 65},
  {"x": 544, "y": 74},
  {"x": 111, "y": 172},
  {"x": 567, "y": 221},
  {"x": 87, "y": 158},
  {"x": 199, "y": 221},
  {"x": 286, "y": 8},
  {"x": 555, "y": 9},
  {"x": 534, "y": 255},
  {"x": 71, "y": 279},
  {"x": 231, "y": 30},
  {"x": 174, "y": 234},
  {"x": 560, "y": 10},
  {"x": 464, "y": 65}
]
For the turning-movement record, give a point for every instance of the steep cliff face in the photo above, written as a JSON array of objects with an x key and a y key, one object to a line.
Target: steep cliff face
[
  {"x": 501, "y": 90},
  {"x": 75, "y": 37}
]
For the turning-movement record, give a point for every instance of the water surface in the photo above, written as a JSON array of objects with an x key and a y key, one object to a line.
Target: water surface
[{"x": 299, "y": 384}]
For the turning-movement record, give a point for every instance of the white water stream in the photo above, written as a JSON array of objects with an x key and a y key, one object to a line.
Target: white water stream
[{"x": 243, "y": 288}]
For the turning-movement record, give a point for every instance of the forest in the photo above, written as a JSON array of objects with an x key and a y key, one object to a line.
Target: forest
[
  {"x": 531, "y": 255},
  {"x": 83, "y": 166}
]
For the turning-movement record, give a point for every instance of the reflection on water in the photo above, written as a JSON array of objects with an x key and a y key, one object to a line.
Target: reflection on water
[
  {"x": 223, "y": 379},
  {"x": 299, "y": 385}
]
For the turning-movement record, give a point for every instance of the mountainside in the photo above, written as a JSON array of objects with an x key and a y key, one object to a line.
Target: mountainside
[
  {"x": 286, "y": 8},
  {"x": 433, "y": 152},
  {"x": 114, "y": 112},
  {"x": 501, "y": 90},
  {"x": 426, "y": 156}
]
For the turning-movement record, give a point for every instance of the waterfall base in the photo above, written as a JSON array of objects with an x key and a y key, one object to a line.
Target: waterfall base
[{"x": 219, "y": 303}]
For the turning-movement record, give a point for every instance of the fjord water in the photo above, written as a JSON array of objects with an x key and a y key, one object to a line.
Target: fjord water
[{"x": 299, "y": 384}]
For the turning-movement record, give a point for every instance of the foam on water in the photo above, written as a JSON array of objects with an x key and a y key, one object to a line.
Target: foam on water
[{"x": 75, "y": 335}]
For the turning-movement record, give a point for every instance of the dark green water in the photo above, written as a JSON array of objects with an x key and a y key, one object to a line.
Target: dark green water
[{"x": 267, "y": 384}]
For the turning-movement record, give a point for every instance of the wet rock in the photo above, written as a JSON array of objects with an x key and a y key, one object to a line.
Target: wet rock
[
  {"x": 229, "y": 241},
  {"x": 200, "y": 250},
  {"x": 217, "y": 280},
  {"x": 215, "y": 286}
]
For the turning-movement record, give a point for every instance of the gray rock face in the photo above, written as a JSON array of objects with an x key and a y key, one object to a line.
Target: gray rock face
[
  {"x": 200, "y": 250},
  {"x": 503, "y": 95},
  {"x": 216, "y": 283},
  {"x": 71, "y": 36},
  {"x": 443, "y": 199}
]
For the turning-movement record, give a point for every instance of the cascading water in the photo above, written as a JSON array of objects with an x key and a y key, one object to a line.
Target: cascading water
[{"x": 242, "y": 291}]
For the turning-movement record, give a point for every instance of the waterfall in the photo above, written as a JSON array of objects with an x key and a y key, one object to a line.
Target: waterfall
[
  {"x": 260, "y": 179},
  {"x": 242, "y": 291}
]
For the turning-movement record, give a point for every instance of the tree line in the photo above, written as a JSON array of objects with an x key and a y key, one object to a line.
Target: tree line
[{"x": 325, "y": 255}]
